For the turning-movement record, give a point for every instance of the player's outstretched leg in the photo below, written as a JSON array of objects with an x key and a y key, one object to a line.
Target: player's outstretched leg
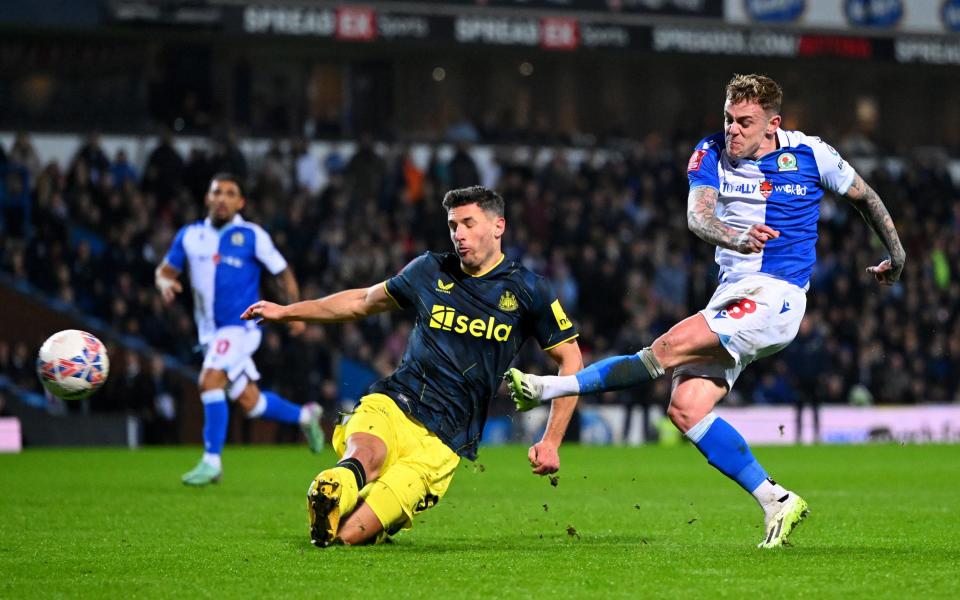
[
  {"x": 332, "y": 495},
  {"x": 272, "y": 406},
  {"x": 215, "y": 416},
  {"x": 610, "y": 374}
]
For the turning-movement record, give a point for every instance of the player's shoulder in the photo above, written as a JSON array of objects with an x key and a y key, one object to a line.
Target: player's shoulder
[
  {"x": 530, "y": 280},
  {"x": 707, "y": 151},
  {"x": 429, "y": 263},
  {"x": 241, "y": 223},
  {"x": 713, "y": 143},
  {"x": 799, "y": 139},
  {"x": 191, "y": 230}
]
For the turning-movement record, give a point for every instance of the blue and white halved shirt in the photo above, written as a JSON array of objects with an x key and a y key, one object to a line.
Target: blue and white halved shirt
[
  {"x": 225, "y": 266},
  {"x": 782, "y": 190}
]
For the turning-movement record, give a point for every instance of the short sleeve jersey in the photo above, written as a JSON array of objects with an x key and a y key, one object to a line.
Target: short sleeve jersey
[
  {"x": 468, "y": 330},
  {"x": 225, "y": 266},
  {"x": 782, "y": 189}
]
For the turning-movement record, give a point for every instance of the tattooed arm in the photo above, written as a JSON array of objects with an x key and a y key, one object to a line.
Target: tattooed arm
[
  {"x": 878, "y": 218},
  {"x": 702, "y": 219}
]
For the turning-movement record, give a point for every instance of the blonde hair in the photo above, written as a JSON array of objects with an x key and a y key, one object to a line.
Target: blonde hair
[{"x": 755, "y": 88}]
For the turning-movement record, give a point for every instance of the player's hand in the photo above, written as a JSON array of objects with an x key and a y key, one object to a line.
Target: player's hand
[
  {"x": 168, "y": 288},
  {"x": 754, "y": 239},
  {"x": 886, "y": 272},
  {"x": 263, "y": 311},
  {"x": 296, "y": 328},
  {"x": 544, "y": 458}
]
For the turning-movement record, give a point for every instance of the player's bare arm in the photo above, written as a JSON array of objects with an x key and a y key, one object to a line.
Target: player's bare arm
[
  {"x": 703, "y": 221},
  {"x": 165, "y": 279},
  {"x": 288, "y": 292},
  {"x": 866, "y": 200},
  {"x": 348, "y": 305},
  {"x": 544, "y": 456}
]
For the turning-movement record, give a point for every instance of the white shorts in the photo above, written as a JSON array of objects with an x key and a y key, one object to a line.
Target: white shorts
[
  {"x": 231, "y": 351},
  {"x": 754, "y": 317}
]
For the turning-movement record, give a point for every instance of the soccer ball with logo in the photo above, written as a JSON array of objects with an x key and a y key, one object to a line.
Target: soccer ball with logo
[{"x": 72, "y": 364}]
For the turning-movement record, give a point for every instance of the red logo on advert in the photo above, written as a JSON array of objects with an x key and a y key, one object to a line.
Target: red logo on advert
[
  {"x": 766, "y": 188},
  {"x": 695, "y": 159},
  {"x": 356, "y": 24},
  {"x": 557, "y": 33}
]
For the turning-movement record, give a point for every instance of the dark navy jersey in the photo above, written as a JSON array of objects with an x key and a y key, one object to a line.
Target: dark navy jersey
[{"x": 468, "y": 330}]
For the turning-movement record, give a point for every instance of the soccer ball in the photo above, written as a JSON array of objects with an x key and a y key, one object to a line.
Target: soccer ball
[{"x": 72, "y": 364}]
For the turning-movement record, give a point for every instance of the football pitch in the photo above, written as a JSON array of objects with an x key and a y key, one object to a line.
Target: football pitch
[{"x": 620, "y": 522}]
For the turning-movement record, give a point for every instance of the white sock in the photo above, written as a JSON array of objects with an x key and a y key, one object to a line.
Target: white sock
[
  {"x": 213, "y": 460},
  {"x": 558, "y": 386},
  {"x": 259, "y": 408},
  {"x": 769, "y": 494},
  {"x": 305, "y": 414}
]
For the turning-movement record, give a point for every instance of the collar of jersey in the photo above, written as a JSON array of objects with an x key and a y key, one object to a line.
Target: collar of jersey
[
  {"x": 236, "y": 220},
  {"x": 488, "y": 271}
]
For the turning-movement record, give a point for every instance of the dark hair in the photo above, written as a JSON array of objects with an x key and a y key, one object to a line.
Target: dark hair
[
  {"x": 225, "y": 176},
  {"x": 487, "y": 199},
  {"x": 755, "y": 88}
]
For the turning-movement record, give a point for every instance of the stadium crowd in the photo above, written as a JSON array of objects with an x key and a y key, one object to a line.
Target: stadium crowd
[{"x": 608, "y": 229}]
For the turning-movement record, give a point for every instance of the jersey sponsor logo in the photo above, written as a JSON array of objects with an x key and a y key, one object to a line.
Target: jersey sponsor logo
[
  {"x": 786, "y": 162},
  {"x": 508, "y": 302},
  {"x": 236, "y": 239},
  {"x": 766, "y": 188},
  {"x": 794, "y": 189},
  {"x": 738, "y": 309},
  {"x": 744, "y": 189},
  {"x": 562, "y": 321},
  {"x": 695, "y": 159},
  {"x": 446, "y": 318},
  {"x": 444, "y": 288},
  {"x": 226, "y": 259}
]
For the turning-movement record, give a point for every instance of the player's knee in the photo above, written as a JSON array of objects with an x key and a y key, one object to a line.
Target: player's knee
[
  {"x": 212, "y": 379},
  {"x": 248, "y": 398},
  {"x": 683, "y": 417},
  {"x": 665, "y": 349}
]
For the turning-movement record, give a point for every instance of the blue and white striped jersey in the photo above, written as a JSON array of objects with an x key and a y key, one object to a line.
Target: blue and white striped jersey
[{"x": 782, "y": 190}]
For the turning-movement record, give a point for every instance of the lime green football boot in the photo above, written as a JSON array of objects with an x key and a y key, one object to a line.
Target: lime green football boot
[
  {"x": 781, "y": 523},
  {"x": 525, "y": 390},
  {"x": 312, "y": 428},
  {"x": 202, "y": 474}
]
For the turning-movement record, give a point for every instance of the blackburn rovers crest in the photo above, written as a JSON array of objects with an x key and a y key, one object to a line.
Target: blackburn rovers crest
[
  {"x": 508, "y": 302},
  {"x": 236, "y": 239},
  {"x": 786, "y": 162}
]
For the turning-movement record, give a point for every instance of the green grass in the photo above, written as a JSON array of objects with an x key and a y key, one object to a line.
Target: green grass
[{"x": 649, "y": 522}]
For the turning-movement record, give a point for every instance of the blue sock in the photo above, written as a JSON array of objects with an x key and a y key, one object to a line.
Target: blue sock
[
  {"x": 619, "y": 372},
  {"x": 727, "y": 451},
  {"x": 279, "y": 409},
  {"x": 215, "y": 420}
]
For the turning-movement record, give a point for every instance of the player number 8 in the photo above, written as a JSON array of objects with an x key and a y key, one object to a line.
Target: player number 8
[{"x": 741, "y": 307}]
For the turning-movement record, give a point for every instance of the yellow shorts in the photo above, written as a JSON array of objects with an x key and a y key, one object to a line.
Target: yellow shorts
[{"x": 418, "y": 468}]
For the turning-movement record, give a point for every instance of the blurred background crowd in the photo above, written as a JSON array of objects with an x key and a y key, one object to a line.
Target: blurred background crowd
[{"x": 606, "y": 226}]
